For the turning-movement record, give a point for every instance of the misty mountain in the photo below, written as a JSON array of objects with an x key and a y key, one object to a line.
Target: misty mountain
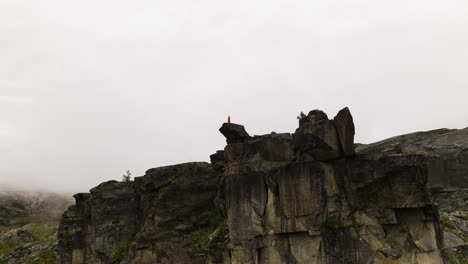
[{"x": 28, "y": 225}]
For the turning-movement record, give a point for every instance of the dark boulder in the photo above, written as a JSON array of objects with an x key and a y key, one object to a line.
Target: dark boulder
[
  {"x": 234, "y": 132},
  {"x": 25, "y": 236}
]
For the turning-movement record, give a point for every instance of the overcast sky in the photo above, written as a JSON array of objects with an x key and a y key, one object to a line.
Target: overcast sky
[{"x": 89, "y": 89}]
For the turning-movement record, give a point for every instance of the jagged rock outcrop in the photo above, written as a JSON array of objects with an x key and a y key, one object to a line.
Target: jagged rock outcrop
[
  {"x": 302, "y": 200},
  {"x": 345, "y": 128},
  {"x": 306, "y": 197},
  {"x": 149, "y": 220},
  {"x": 317, "y": 138}
]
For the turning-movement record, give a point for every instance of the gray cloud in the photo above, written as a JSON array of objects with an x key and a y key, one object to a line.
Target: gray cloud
[{"x": 89, "y": 89}]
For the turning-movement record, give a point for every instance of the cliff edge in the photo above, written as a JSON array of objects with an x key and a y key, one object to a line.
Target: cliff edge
[{"x": 313, "y": 196}]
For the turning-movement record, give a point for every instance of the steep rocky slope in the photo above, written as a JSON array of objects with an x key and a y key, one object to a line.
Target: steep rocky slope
[
  {"x": 306, "y": 197},
  {"x": 445, "y": 149}
]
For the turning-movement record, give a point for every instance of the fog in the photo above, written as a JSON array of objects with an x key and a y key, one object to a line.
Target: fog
[{"x": 89, "y": 89}]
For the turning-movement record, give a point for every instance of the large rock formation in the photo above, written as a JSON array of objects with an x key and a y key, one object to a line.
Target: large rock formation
[
  {"x": 306, "y": 197},
  {"x": 303, "y": 199},
  {"x": 149, "y": 220}
]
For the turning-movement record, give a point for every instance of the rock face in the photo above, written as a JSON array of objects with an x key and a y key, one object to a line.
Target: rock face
[
  {"x": 149, "y": 220},
  {"x": 317, "y": 138},
  {"x": 446, "y": 151},
  {"x": 345, "y": 128},
  {"x": 453, "y": 209},
  {"x": 299, "y": 198},
  {"x": 289, "y": 203}
]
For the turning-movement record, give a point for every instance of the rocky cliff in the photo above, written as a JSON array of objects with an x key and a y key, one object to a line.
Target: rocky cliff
[{"x": 307, "y": 197}]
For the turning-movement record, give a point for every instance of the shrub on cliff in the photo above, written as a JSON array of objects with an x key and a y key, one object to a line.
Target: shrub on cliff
[
  {"x": 127, "y": 176},
  {"x": 213, "y": 237},
  {"x": 121, "y": 250},
  {"x": 301, "y": 116}
]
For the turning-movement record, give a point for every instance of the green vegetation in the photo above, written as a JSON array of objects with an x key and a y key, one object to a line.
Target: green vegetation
[
  {"x": 462, "y": 260},
  {"x": 301, "y": 116},
  {"x": 46, "y": 257},
  {"x": 7, "y": 247},
  {"x": 449, "y": 227},
  {"x": 9, "y": 222},
  {"x": 212, "y": 237},
  {"x": 65, "y": 240},
  {"x": 455, "y": 258},
  {"x": 127, "y": 176},
  {"x": 121, "y": 250},
  {"x": 43, "y": 230},
  {"x": 446, "y": 221}
]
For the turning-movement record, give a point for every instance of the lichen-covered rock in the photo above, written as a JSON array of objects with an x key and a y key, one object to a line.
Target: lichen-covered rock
[{"x": 453, "y": 208}]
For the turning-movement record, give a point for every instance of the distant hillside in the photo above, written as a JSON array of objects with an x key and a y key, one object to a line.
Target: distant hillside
[{"x": 28, "y": 226}]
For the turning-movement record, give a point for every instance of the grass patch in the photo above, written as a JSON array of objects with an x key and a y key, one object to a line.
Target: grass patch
[
  {"x": 212, "y": 237},
  {"x": 455, "y": 258},
  {"x": 6, "y": 248},
  {"x": 121, "y": 250},
  {"x": 43, "y": 229},
  {"x": 44, "y": 257}
]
